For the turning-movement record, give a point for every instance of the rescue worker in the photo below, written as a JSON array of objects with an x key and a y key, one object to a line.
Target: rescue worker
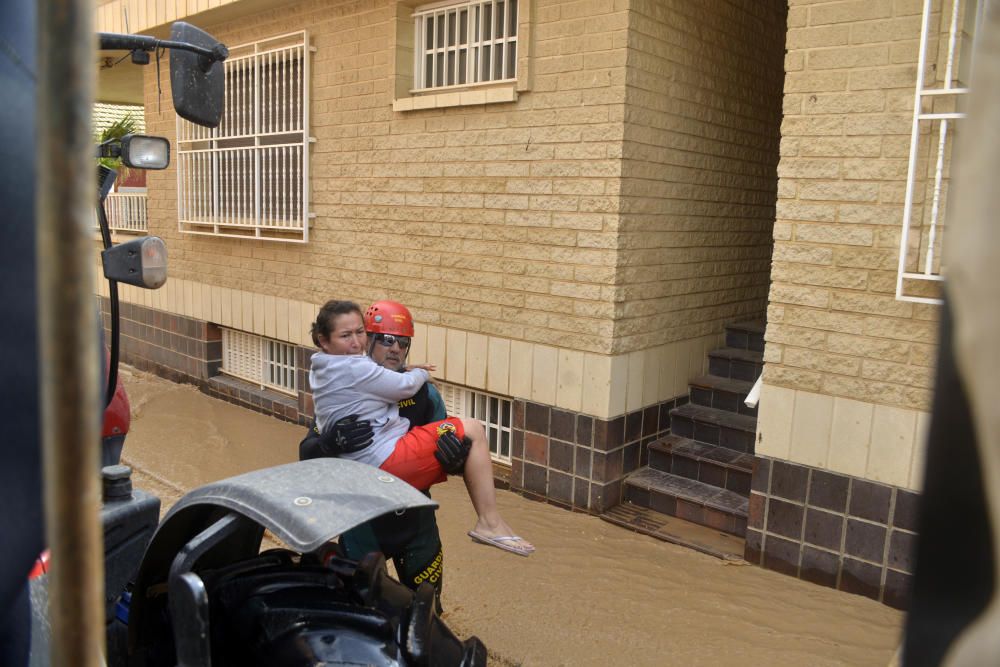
[{"x": 411, "y": 539}]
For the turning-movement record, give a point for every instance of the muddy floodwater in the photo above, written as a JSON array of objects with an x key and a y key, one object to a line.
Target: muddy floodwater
[{"x": 593, "y": 593}]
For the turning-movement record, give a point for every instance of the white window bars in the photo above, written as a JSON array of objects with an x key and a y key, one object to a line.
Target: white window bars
[
  {"x": 127, "y": 212},
  {"x": 936, "y": 110},
  {"x": 262, "y": 361},
  {"x": 249, "y": 177},
  {"x": 493, "y": 411},
  {"x": 465, "y": 43}
]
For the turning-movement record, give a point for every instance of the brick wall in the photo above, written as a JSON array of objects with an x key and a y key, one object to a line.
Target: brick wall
[
  {"x": 699, "y": 184},
  {"x": 495, "y": 219},
  {"x": 878, "y": 442},
  {"x": 593, "y": 384},
  {"x": 834, "y": 325},
  {"x": 514, "y": 219},
  {"x": 834, "y": 530},
  {"x": 176, "y": 347},
  {"x": 505, "y": 227}
]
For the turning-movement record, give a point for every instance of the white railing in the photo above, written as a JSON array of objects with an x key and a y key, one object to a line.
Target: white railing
[
  {"x": 936, "y": 110},
  {"x": 127, "y": 212},
  {"x": 250, "y": 176}
]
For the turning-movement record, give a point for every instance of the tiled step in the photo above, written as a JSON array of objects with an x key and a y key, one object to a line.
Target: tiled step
[
  {"x": 722, "y": 393},
  {"x": 714, "y": 427},
  {"x": 729, "y": 362},
  {"x": 746, "y": 336},
  {"x": 688, "y": 499},
  {"x": 711, "y": 464},
  {"x": 676, "y": 531}
]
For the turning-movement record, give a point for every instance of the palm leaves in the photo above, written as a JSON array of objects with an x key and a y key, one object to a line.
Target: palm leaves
[{"x": 117, "y": 130}]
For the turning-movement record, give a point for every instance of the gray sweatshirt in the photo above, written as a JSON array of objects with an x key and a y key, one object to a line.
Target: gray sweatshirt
[{"x": 345, "y": 385}]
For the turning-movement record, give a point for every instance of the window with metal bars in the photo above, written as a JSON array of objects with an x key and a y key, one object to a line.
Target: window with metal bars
[
  {"x": 250, "y": 176},
  {"x": 465, "y": 43},
  {"x": 265, "y": 362},
  {"x": 493, "y": 411}
]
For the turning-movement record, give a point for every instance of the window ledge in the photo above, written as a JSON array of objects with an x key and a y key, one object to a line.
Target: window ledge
[
  {"x": 457, "y": 98},
  {"x": 252, "y": 396}
]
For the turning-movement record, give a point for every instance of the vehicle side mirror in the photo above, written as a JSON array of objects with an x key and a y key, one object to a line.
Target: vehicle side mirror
[
  {"x": 144, "y": 152},
  {"x": 197, "y": 82},
  {"x": 140, "y": 262}
]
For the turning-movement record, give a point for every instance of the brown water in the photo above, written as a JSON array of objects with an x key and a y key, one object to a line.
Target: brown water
[{"x": 593, "y": 594}]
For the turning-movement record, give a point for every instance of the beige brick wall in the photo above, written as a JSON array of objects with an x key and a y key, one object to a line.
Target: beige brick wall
[
  {"x": 699, "y": 182},
  {"x": 834, "y": 325},
  {"x": 595, "y": 384},
  {"x": 495, "y": 219},
  {"x": 509, "y": 227}
]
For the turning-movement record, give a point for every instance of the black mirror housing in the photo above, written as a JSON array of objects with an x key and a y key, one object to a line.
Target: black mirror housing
[
  {"x": 197, "y": 81},
  {"x": 140, "y": 262}
]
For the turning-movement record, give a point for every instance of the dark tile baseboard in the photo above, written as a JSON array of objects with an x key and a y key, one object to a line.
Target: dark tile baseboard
[
  {"x": 852, "y": 534},
  {"x": 577, "y": 461}
]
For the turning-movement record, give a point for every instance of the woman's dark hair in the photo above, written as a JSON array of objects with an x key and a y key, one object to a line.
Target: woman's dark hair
[{"x": 323, "y": 326}]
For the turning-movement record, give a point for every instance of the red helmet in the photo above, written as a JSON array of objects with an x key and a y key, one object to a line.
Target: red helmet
[{"x": 389, "y": 317}]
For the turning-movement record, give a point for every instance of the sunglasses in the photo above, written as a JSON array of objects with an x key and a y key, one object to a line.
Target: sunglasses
[{"x": 387, "y": 340}]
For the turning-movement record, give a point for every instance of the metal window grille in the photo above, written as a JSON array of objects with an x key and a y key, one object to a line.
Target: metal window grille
[
  {"x": 265, "y": 362},
  {"x": 250, "y": 176},
  {"x": 465, "y": 43},
  {"x": 126, "y": 212},
  {"x": 937, "y": 110},
  {"x": 493, "y": 411}
]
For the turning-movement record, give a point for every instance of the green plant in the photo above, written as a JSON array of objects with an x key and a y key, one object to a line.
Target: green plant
[{"x": 117, "y": 130}]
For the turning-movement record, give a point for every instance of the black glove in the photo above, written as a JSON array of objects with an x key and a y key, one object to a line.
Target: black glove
[
  {"x": 310, "y": 448},
  {"x": 346, "y": 435},
  {"x": 452, "y": 452}
]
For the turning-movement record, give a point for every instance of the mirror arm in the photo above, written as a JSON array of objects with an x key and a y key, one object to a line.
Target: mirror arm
[
  {"x": 110, "y": 41},
  {"x": 114, "y": 344},
  {"x": 218, "y": 53},
  {"x": 105, "y": 179}
]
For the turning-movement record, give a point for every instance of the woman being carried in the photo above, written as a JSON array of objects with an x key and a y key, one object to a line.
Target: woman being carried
[{"x": 344, "y": 382}]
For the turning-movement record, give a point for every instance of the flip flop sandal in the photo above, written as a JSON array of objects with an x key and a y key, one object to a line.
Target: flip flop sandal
[{"x": 503, "y": 542}]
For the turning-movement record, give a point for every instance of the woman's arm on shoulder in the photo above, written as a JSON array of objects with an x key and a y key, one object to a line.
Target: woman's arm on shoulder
[{"x": 374, "y": 380}]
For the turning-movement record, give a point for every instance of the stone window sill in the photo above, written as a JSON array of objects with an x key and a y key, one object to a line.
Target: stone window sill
[
  {"x": 457, "y": 98},
  {"x": 252, "y": 396}
]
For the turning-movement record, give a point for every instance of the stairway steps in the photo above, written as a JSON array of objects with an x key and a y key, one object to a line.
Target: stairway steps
[
  {"x": 722, "y": 393},
  {"x": 746, "y": 335},
  {"x": 714, "y": 426},
  {"x": 711, "y": 464},
  {"x": 701, "y": 471},
  {"x": 688, "y": 499},
  {"x": 676, "y": 531},
  {"x": 729, "y": 362}
]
